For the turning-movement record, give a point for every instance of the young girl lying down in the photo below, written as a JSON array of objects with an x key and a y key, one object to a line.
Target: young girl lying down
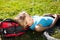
[{"x": 37, "y": 23}]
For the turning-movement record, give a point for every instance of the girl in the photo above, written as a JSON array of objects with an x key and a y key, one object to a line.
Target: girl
[{"x": 37, "y": 23}]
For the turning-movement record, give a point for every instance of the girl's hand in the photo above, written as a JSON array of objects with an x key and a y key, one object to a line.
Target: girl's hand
[
  {"x": 55, "y": 20},
  {"x": 55, "y": 15}
]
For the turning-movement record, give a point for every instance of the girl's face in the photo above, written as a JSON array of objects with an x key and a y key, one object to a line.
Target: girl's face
[
  {"x": 25, "y": 20},
  {"x": 28, "y": 21}
]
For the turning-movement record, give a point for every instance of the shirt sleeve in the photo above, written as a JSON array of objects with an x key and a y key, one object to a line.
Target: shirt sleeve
[{"x": 43, "y": 22}]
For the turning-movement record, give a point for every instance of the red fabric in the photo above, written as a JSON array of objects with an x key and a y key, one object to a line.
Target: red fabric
[
  {"x": 5, "y": 25},
  {"x": 8, "y": 24},
  {"x": 0, "y": 25},
  {"x": 12, "y": 35},
  {"x": 11, "y": 24},
  {"x": 20, "y": 33}
]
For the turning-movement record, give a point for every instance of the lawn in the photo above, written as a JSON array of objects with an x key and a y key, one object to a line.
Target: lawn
[{"x": 10, "y": 8}]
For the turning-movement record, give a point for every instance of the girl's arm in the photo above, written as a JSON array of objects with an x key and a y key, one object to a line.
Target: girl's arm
[
  {"x": 39, "y": 28},
  {"x": 55, "y": 20},
  {"x": 55, "y": 16}
]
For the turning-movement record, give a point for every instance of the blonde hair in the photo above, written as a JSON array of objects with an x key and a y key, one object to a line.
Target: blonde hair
[{"x": 20, "y": 18}]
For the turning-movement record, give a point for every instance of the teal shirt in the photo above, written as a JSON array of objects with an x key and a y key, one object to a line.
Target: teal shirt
[{"x": 44, "y": 21}]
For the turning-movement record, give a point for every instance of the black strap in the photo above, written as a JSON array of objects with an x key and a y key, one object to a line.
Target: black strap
[
  {"x": 49, "y": 16},
  {"x": 8, "y": 20}
]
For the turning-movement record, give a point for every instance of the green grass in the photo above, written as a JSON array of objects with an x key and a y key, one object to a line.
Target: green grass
[{"x": 10, "y": 8}]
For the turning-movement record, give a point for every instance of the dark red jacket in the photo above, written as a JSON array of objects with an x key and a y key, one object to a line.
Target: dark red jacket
[{"x": 10, "y": 28}]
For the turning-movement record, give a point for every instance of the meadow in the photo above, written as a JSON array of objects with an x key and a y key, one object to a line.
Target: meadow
[{"x": 10, "y": 8}]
